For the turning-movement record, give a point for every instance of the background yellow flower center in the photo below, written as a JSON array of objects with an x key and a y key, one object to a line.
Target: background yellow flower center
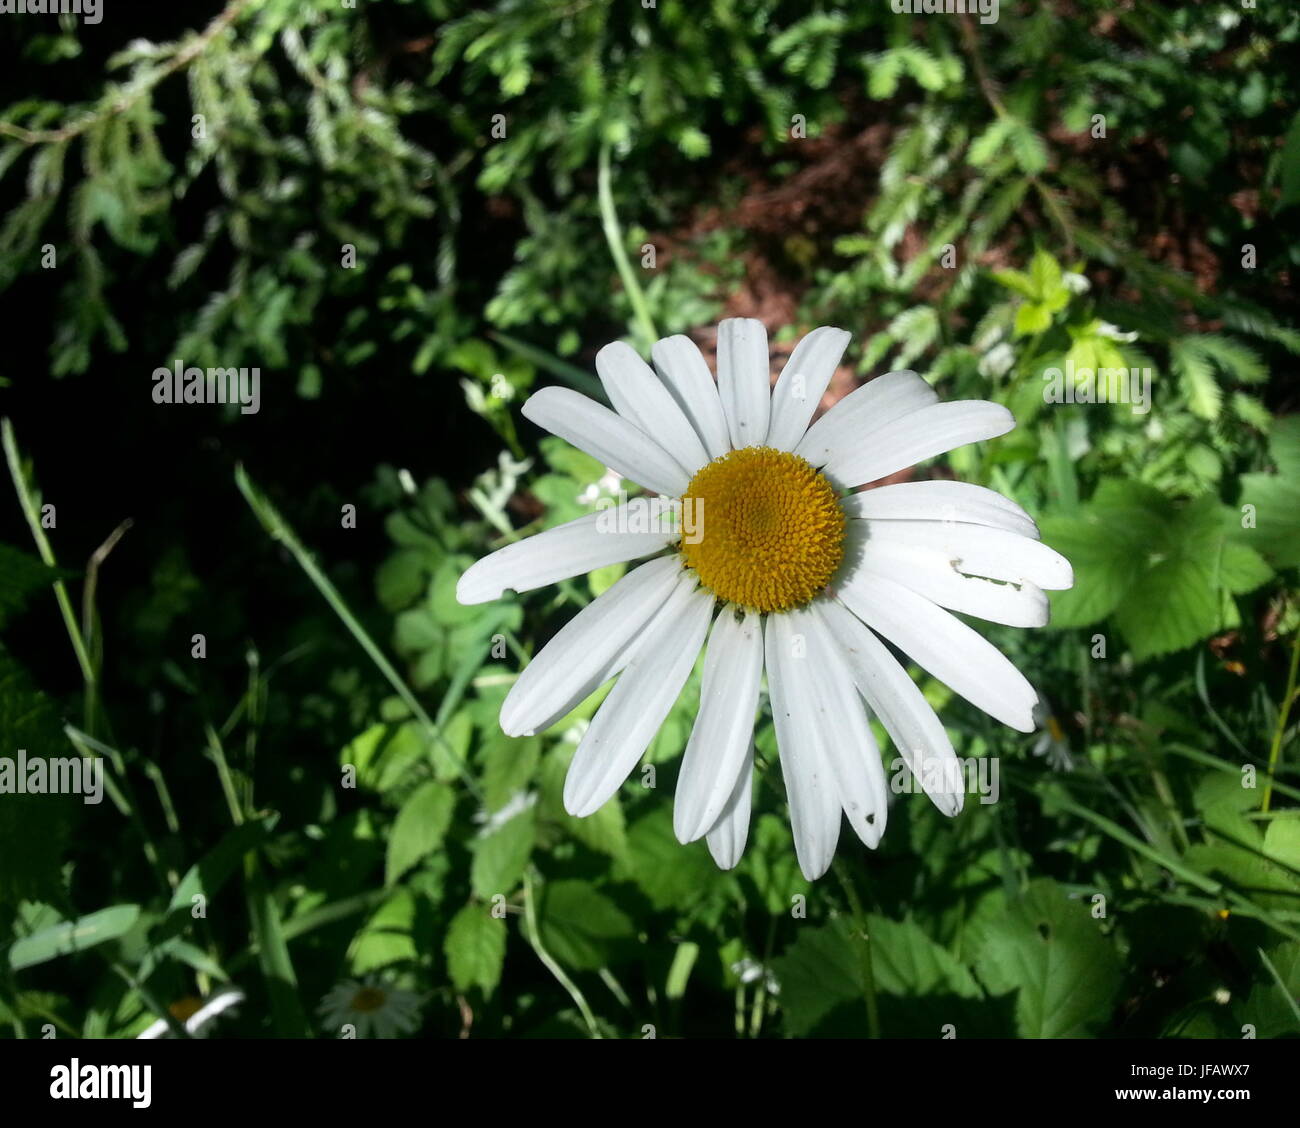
[
  {"x": 772, "y": 529},
  {"x": 368, "y": 999}
]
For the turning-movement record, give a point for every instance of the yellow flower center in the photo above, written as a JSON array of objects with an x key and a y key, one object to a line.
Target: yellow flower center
[
  {"x": 368, "y": 999},
  {"x": 184, "y": 1009},
  {"x": 762, "y": 529}
]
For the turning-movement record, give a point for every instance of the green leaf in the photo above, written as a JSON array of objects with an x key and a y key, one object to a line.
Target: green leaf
[
  {"x": 818, "y": 973},
  {"x": 384, "y": 753},
  {"x": 71, "y": 936},
  {"x": 1271, "y": 1007},
  {"x": 34, "y": 828},
  {"x": 579, "y": 925},
  {"x": 1032, "y": 318},
  {"x": 989, "y": 143},
  {"x": 387, "y": 937},
  {"x": 1029, "y": 149},
  {"x": 475, "y": 947},
  {"x": 21, "y": 576},
  {"x": 1191, "y": 365},
  {"x": 770, "y": 863},
  {"x": 419, "y": 828},
  {"x": 207, "y": 876},
  {"x": 1051, "y": 952},
  {"x": 605, "y": 831},
  {"x": 1049, "y": 285},
  {"x": 1100, "y": 553},
  {"x": 822, "y": 990},
  {"x": 907, "y": 962},
  {"x": 669, "y": 874},
  {"x": 1164, "y": 571},
  {"x": 1275, "y": 498},
  {"x": 508, "y": 765},
  {"x": 1018, "y": 281},
  {"x": 500, "y": 857}
]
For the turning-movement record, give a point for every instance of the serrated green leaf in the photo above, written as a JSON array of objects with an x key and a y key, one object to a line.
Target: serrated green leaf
[
  {"x": 500, "y": 857},
  {"x": 475, "y": 947},
  {"x": 1053, "y": 954},
  {"x": 419, "y": 828}
]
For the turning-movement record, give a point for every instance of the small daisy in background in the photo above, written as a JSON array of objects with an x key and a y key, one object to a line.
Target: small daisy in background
[
  {"x": 779, "y": 574},
  {"x": 371, "y": 1008},
  {"x": 1051, "y": 742}
]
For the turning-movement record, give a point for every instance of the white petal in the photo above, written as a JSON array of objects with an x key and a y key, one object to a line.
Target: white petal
[
  {"x": 933, "y": 575},
  {"x": 941, "y": 501},
  {"x": 640, "y": 397},
  {"x": 862, "y": 413},
  {"x": 686, "y": 374},
  {"x": 730, "y": 833},
  {"x": 919, "y": 435},
  {"x": 571, "y": 549},
  {"x": 950, "y": 650},
  {"x": 588, "y": 650},
  {"x": 744, "y": 384},
  {"x": 724, "y": 727},
  {"x": 629, "y": 717},
  {"x": 918, "y": 735},
  {"x": 802, "y": 383},
  {"x": 809, "y": 784},
  {"x": 608, "y": 438},
  {"x": 841, "y": 726},
  {"x": 977, "y": 550}
]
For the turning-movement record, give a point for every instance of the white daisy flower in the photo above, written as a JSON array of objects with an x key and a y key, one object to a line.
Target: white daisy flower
[
  {"x": 371, "y": 1008},
  {"x": 784, "y": 574},
  {"x": 197, "y": 1014}
]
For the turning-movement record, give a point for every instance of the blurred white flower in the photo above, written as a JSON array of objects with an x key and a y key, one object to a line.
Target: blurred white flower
[
  {"x": 1115, "y": 333},
  {"x": 1051, "y": 742},
  {"x": 371, "y": 1007},
  {"x": 997, "y": 361},
  {"x": 494, "y": 820},
  {"x": 751, "y": 971},
  {"x": 607, "y": 485},
  {"x": 196, "y": 1014}
]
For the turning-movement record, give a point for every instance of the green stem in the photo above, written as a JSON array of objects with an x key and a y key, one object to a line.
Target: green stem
[
  {"x": 1282, "y": 714},
  {"x": 218, "y": 754},
  {"x": 47, "y": 554},
  {"x": 177, "y": 1029},
  {"x": 535, "y": 939},
  {"x": 123, "y": 798},
  {"x": 864, "y": 949},
  {"x": 614, "y": 236},
  {"x": 1175, "y": 867},
  {"x": 279, "y": 530}
]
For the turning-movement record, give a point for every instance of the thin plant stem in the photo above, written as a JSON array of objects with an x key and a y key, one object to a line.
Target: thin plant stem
[
  {"x": 864, "y": 948},
  {"x": 279, "y": 530},
  {"x": 123, "y": 797},
  {"x": 535, "y": 939},
  {"x": 28, "y": 504},
  {"x": 218, "y": 754},
  {"x": 614, "y": 237},
  {"x": 1282, "y": 714},
  {"x": 94, "y": 645}
]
